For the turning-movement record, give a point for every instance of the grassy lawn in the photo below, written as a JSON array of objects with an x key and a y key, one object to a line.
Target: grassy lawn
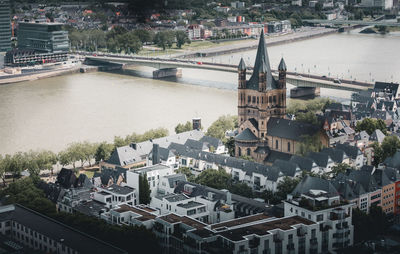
[{"x": 195, "y": 45}]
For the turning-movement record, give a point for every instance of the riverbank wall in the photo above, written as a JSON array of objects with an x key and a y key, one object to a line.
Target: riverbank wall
[{"x": 9, "y": 79}]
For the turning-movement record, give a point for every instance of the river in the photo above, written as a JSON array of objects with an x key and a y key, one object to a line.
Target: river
[{"x": 51, "y": 113}]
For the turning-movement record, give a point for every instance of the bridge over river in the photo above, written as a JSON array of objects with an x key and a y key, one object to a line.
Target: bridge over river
[{"x": 296, "y": 79}]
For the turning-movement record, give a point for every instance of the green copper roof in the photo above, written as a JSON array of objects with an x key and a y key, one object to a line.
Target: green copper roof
[
  {"x": 282, "y": 65},
  {"x": 261, "y": 65},
  {"x": 242, "y": 65}
]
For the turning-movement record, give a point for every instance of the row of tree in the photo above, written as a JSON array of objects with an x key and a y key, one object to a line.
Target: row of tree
[
  {"x": 119, "y": 39},
  {"x": 83, "y": 152},
  {"x": 220, "y": 179}
]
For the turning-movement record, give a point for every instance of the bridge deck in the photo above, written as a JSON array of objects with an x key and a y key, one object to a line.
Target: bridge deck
[{"x": 292, "y": 78}]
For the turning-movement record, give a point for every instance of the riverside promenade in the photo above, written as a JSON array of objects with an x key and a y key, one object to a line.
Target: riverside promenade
[{"x": 40, "y": 74}]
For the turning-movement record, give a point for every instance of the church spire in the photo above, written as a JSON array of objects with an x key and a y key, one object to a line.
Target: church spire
[
  {"x": 282, "y": 65},
  {"x": 261, "y": 65},
  {"x": 242, "y": 65}
]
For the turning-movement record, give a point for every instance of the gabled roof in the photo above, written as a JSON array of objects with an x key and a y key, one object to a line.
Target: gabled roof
[
  {"x": 66, "y": 178},
  {"x": 254, "y": 122},
  {"x": 164, "y": 153},
  {"x": 286, "y": 167},
  {"x": 211, "y": 141},
  {"x": 134, "y": 153},
  {"x": 246, "y": 135},
  {"x": 379, "y": 114},
  {"x": 335, "y": 154},
  {"x": 261, "y": 65},
  {"x": 351, "y": 151},
  {"x": 194, "y": 144},
  {"x": 304, "y": 163},
  {"x": 314, "y": 183},
  {"x": 363, "y": 135},
  {"x": 377, "y": 135},
  {"x": 321, "y": 159},
  {"x": 290, "y": 129},
  {"x": 393, "y": 161},
  {"x": 364, "y": 178}
]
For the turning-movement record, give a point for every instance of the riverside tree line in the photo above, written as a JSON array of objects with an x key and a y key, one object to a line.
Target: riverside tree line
[
  {"x": 82, "y": 153},
  {"x": 119, "y": 39}
]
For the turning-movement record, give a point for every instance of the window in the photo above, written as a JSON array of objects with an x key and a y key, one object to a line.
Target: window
[
  {"x": 248, "y": 151},
  {"x": 248, "y": 99},
  {"x": 262, "y": 99},
  {"x": 274, "y": 99},
  {"x": 240, "y": 152},
  {"x": 258, "y": 100},
  {"x": 191, "y": 212},
  {"x": 254, "y": 99},
  {"x": 320, "y": 217},
  {"x": 288, "y": 146},
  {"x": 276, "y": 144}
]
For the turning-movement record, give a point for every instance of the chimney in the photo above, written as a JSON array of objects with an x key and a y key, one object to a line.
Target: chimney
[
  {"x": 156, "y": 154},
  {"x": 228, "y": 197},
  {"x": 196, "y": 123}
]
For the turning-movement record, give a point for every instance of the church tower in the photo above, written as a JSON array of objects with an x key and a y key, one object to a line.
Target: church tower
[{"x": 259, "y": 98}]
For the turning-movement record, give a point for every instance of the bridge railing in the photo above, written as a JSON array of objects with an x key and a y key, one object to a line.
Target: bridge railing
[{"x": 313, "y": 76}]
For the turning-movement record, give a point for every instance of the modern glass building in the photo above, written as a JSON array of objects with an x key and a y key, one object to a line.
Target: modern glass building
[
  {"x": 5, "y": 26},
  {"x": 43, "y": 37}
]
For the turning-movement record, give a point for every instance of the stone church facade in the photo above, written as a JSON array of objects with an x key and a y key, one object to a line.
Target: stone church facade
[{"x": 263, "y": 128}]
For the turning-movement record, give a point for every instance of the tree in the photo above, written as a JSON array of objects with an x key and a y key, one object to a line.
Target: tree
[
  {"x": 129, "y": 43},
  {"x": 369, "y": 226},
  {"x": 144, "y": 190},
  {"x": 186, "y": 171},
  {"x": 3, "y": 169},
  {"x": 183, "y": 127},
  {"x": 309, "y": 144},
  {"x": 286, "y": 186},
  {"x": 230, "y": 145},
  {"x": 247, "y": 158},
  {"x": 318, "y": 7},
  {"x": 16, "y": 164},
  {"x": 241, "y": 189},
  {"x": 144, "y": 35},
  {"x": 164, "y": 39},
  {"x": 370, "y": 125},
  {"x": 340, "y": 168},
  {"x": 221, "y": 125},
  {"x": 181, "y": 38},
  {"x": 270, "y": 197},
  {"x": 217, "y": 179},
  {"x": 388, "y": 148},
  {"x": 103, "y": 151},
  {"x": 308, "y": 117}
]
